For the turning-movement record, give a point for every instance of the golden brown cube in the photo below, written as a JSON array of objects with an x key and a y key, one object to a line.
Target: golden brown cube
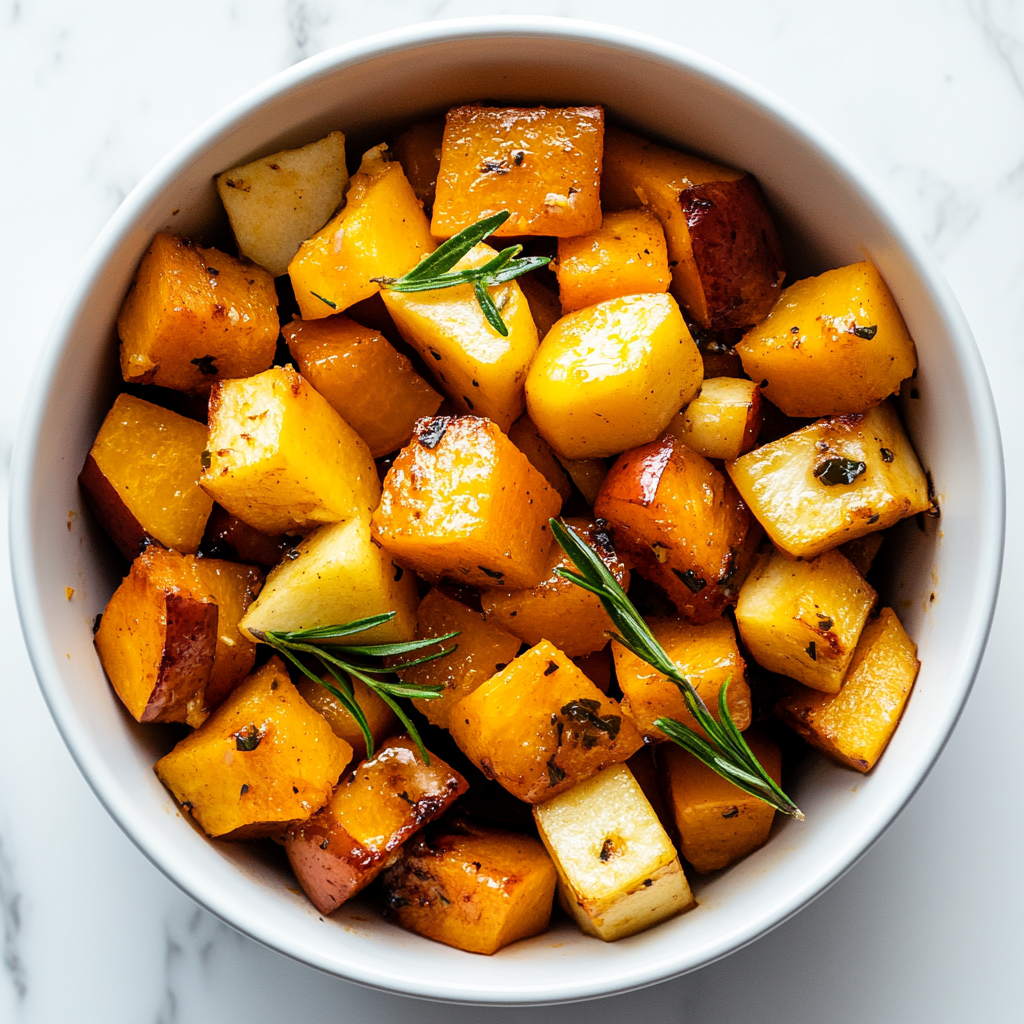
[
  {"x": 854, "y": 726},
  {"x": 471, "y": 887},
  {"x": 418, "y": 150},
  {"x": 541, "y": 164},
  {"x": 540, "y": 726},
  {"x": 383, "y": 722},
  {"x": 717, "y": 822},
  {"x": 723, "y": 421},
  {"x": 373, "y": 811},
  {"x": 462, "y": 501},
  {"x": 141, "y": 477},
  {"x": 803, "y": 619},
  {"x": 262, "y": 761},
  {"x": 196, "y": 316}
]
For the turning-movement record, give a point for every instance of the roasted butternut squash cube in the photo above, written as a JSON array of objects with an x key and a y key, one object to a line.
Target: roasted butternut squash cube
[
  {"x": 482, "y": 649},
  {"x": 717, "y": 822},
  {"x": 832, "y": 344},
  {"x": 524, "y": 435},
  {"x": 141, "y": 477},
  {"x": 682, "y": 523},
  {"x": 626, "y": 255},
  {"x": 383, "y": 722},
  {"x": 723, "y": 421},
  {"x": 479, "y": 370},
  {"x": 472, "y": 887},
  {"x": 461, "y": 500},
  {"x": 803, "y": 619},
  {"x": 233, "y": 587},
  {"x": 228, "y": 537},
  {"x": 727, "y": 263},
  {"x": 262, "y": 761},
  {"x": 158, "y": 638},
  {"x": 706, "y": 655},
  {"x": 281, "y": 459},
  {"x": 276, "y": 203},
  {"x": 375, "y": 809},
  {"x": 571, "y": 618},
  {"x": 540, "y": 726},
  {"x": 855, "y": 725},
  {"x": 587, "y": 475},
  {"x": 418, "y": 150},
  {"x": 337, "y": 574},
  {"x": 618, "y": 872},
  {"x": 368, "y": 383},
  {"x": 612, "y": 376},
  {"x": 543, "y": 299},
  {"x": 832, "y": 481},
  {"x": 381, "y": 232},
  {"x": 196, "y": 316},
  {"x": 542, "y": 164}
]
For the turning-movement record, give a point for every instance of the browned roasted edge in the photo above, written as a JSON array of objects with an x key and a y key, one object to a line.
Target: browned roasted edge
[{"x": 111, "y": 511}]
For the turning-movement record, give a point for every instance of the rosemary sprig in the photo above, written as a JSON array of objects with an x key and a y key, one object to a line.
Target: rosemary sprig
[
  {"x": 354, "y": 661},
  {"x": 433, "y": 271},
  {"x": 725, "y": 751}
]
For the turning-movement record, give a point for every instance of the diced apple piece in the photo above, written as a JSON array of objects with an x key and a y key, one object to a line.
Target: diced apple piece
[
  {"x": 523, "y": 434},
  {"x": 418, "y": 150},
  {"x": 383, "y": 722},
  {"x": 723, "y": 421},
  {"x": 618, "y": 871}
]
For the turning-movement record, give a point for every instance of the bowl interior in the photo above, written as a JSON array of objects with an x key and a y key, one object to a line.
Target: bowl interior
[{"x": 942, "y": 585}]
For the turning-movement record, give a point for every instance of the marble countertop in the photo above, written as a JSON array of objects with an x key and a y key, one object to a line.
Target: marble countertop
[{"x": 927, "y": 927}]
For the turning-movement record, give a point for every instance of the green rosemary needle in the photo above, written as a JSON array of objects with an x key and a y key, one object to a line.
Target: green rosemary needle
[
  {"x": 435, "y": 270},
  {"x": 725, "y": 751},
  {"x": 346, "y": 662}
]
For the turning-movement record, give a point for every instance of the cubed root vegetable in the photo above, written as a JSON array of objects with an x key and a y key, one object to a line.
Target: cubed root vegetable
[
  {"x": 418, "y": 150},
  {"x": 723, "y": 421}
]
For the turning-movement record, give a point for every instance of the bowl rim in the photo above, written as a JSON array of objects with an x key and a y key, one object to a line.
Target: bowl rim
[{"x": 28, "y": 599}]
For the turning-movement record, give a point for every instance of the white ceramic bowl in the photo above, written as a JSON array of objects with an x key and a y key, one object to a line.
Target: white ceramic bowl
[{"x": 830, "y": 212}]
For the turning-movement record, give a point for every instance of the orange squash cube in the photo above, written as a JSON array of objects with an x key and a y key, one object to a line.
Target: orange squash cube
[
  {"x": 141, "y": 477},
  {"x": 706, "y": 656},
  {"x": 462, "y": 501},
  {"x": 541, "y": 164},
  {"x": 723, "y": 421},
  {"x": 196, "y": 316},
  {"x": 727, "y": 263},
  {"x": 158, "y": 638},
  {"x": 682, "y": 522},
  {"x": 523, "y": 434},
  {"x": 571, "y": 618},
  {"x": 717, "y": 822},
  {"x": 540, "y": 726},
  {"x": 482, "y": 649},
  {"x": 626, "y": 255},
  {"x": 418, "y": 150},
  {"x": 381, "y": 232},
  {"x": 855, "y": 725},
  {"x": 472, "y": 887},
  {"x": 375, "y": 809},
  {"x": 369, "y": 384},
  {"x": 383, "y": 722}
]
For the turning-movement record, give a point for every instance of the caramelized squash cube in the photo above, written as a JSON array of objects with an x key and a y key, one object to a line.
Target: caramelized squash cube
[
  {"x": 281, "y": 459},
  {"x": 618, "y": 871},
  {"x": 542, "y": 164},
  {"x": 141, "y": 477},
  {"x": 418, "y": 150},
  {"x": 383, "y": 722},
  {"x": 368, "y": 383},
  {"x": 462, "y": 501},
  {"x": 683, "y": 524},
  {"x": 855, "y": 725},
  {"x": 524, "y": 435},
  {"x": 482, "y": 649},
  {"x": 158, "y": 638},
  {"x": 831, "y": 345},
  {"x": 717, "y": 822},
  {"x": 612, "y": 376},
  {"x": 540, "y": 726},
  {"x": 626, "y": 255},
  {"x": 832, "y": 481},
  {"x": 803, "y": 619},
  {"x": 276, "y": 203},
  {"x": 195, "y": 316},
  {"x": 727, "y": 263},
  {"x": 337, "y": 574},
  {"x": 706, "y": 655},
  {"x": 571, "y": 618},
  {"x": 472, "y": 887},
  {"x": 723, "y": 421},
  {"x": 262, "y": 761},
  {"x": 373, "y": 811},
  {"x": 381, "y": 232}
]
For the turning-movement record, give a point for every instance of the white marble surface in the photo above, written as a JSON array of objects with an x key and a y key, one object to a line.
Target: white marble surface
[{"x": 930, "y": 94}]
